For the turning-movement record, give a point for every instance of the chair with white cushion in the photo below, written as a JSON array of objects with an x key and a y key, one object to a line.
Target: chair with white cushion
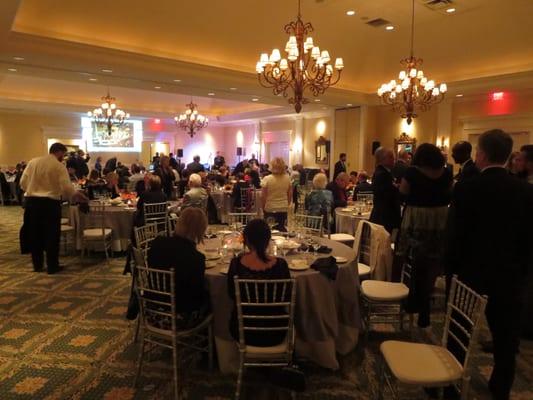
[
  {"x": 383, "y": 302},
  {"x": 363, "y": 255},
  {"x": 427, "y": 365},
  {"x": 95, "y": 232},
  {"x": 252, "y": 296}
]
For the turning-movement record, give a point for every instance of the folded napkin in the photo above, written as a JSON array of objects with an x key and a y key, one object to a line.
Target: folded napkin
[
  {"x": 327, "y": 266},
  {"x": 324, "y": 250}
]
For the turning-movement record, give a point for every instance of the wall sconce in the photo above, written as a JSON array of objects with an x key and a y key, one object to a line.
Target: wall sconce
[{"x": 443, "y": 143}]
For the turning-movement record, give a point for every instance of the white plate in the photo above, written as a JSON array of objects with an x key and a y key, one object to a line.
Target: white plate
[
  {"x": 340, "y": 259},
  {"x": 210, "y": 264},
  {"x": 298, "y": 265},
  {"x": 211, "y": 257},
  {"x": 288, "y": 244},
  {"x": 225, "y": 232},
  {"x": 224, "y": 270},
  {"x": 347, "y": 209},
  {"x": 275, "y": 238},
  {"x": 275, "y": 231}
]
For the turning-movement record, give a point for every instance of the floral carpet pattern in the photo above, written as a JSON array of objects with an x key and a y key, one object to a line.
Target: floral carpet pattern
[{"x": 64, "y": 336}]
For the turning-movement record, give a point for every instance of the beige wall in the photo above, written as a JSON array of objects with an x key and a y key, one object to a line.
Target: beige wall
[{"x": 347, "y": 136}]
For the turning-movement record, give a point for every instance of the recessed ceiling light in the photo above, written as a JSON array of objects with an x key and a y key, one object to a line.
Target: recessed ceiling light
[
  {"x": 18, "y": 58},
  {"x": 210, "y": 94},
  {"x": 459, "y": 95},
  {"x": 157, "y": 87},
  {"x": 255, "y": 99},
  {"x": 232, "y": 88},
  {"x": 450, "y": 10},
  {"x": 389, "y": 27},
  {"x": 107, "y": 70},
  {"x": 177, "y": 80},
  {"x": 350, "y": 12},
  {"x": 12, "y": 69},
  {"x": 93, "y": 79},
  {"x": 317, "y": 100},
  {"x": 349, "y": 105}
]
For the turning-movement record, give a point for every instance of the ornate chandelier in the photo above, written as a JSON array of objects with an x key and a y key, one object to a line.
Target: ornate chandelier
[
  {"x": 412, "y": 92},
  {"x": 306, "y": 67},
  {"x": 108, "y": 114},
  {"x": 191, "y": 121}
]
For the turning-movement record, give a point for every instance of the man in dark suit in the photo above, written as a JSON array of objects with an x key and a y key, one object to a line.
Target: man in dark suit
[
  {"x": 386, "y": 210},
  {"x": 219, "y": 161},
  {"x": 461, "y": 154},
  {"x": 338, "y": 189},
  {"x": 340, "y": 166},
  {"x": 401, "y": 165},
  {"x": 490, "y": 248},
  {"x": 195, "y": 166}
]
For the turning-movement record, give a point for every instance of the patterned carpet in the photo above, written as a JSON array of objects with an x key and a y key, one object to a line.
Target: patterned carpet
[{"x": 64, "y": 336}]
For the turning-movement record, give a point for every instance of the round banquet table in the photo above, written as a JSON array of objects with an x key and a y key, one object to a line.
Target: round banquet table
[
  {"x": 118, "y": 218},
  {"x": 327, "y": 317},
  {"x": 347, "y": 219}
]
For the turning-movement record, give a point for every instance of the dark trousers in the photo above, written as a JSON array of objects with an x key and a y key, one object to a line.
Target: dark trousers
[
  {"x": 426, "y": 271},
  {"x": 503, "y": 317},
  {"x": 280, "y": 218},
  {"x": 42, "y": 220}
]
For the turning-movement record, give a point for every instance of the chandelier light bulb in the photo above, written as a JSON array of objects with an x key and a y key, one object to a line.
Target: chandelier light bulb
[{"x": 339, "y": 63}]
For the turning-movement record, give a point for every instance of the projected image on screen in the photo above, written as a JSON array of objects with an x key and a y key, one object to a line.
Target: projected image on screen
[{"x": 126, "y": 138}]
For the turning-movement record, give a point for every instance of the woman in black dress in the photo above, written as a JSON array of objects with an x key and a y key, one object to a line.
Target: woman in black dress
[
  {"x": 426, "y": 186},
  {"x": 167, "y": 176},
  {"x": 256, "y": 264}
]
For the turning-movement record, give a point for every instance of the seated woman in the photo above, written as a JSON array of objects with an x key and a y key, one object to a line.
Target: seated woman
[
  {"x": 152, "y": 194},
  {"x": 179, "y": 252},
  {"x": 94, "y": 178},
  {"x": 256, "y": 264},
  {"x": 196, "y": 196},
  {"x": 319, "y": 201},
  {"x": 109, "y": 188}
]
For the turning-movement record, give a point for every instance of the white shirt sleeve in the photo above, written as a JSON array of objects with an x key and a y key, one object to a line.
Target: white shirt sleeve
[
  {"x": 66, "y": 188},
  {"x": 25, "y": 176}
]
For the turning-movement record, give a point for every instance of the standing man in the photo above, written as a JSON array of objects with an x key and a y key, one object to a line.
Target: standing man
[
  {"x": 387, "y": 209},
  {"x": 45, "y": 181},
  {"x": 527, "y": 154},
  {"x": 195, "y": 167},
  {"x": 219, "y": 160},
  {"x": 490, "y": 248},
  {"x": 340, "y": 166},
  {"x": 401, "y": 165},
  {"x": 462, "y": 155}
]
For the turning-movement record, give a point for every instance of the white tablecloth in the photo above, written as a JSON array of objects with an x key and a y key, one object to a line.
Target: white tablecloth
[
  {"x": 119, "y": 219},
  {"x": 347, "y": 221},
  {"x": 327, "y": 316}
]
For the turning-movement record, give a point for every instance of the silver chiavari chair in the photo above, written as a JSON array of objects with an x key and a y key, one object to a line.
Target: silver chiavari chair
[
  {"x": 157, "y": 299},
  {"x": 428, "y": 365},
  {"x": 236, "y": 219},
  {"x": 144, "y": 236},
  {"x": 251, "y": 297},
  {"x": 95, "y": 230},
  {"x": 309, "y": 224},
  {"x": 363, "y": 255},
  {"x": 156, "y": 213},
  {"x": 383, "y": 302},
  {"x": 248, "y": 199}
]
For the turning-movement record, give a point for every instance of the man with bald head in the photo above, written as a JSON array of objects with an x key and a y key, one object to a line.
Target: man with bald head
[
  {"x": 338, "y": 189},
  {"x": 386, "y": 210}
]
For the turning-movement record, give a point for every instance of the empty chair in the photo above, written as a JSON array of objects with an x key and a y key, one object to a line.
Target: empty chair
[
  {"x": 309, "y": 224},
  {"x": 248, "y": 199},
  {"x": 95, "y": 232},
  {"x": 428, "y": 365},
  {"x": 251, "y": 298},
  {"x": 240, "y": 219},
  {"x": 383, "y": 302},
  {"x": 160, "y": 326},
  {"x": 363, "y": 255},
  {"x": 156, "y": 213}
]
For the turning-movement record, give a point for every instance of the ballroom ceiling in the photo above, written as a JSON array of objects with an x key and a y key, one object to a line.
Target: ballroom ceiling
[{"x": 159, "y": 53}]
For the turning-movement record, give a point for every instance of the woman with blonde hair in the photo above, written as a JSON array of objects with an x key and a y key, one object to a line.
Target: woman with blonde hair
[
  {"x": 277, "y": 193},
  {"x": 179, "y": 252}
]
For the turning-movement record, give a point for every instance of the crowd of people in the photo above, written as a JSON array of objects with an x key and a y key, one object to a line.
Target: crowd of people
[{"x": 477, "y": 223}]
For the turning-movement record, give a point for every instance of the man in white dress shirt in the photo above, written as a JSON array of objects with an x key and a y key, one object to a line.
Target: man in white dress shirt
[{"x": 45, "y": 182}]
